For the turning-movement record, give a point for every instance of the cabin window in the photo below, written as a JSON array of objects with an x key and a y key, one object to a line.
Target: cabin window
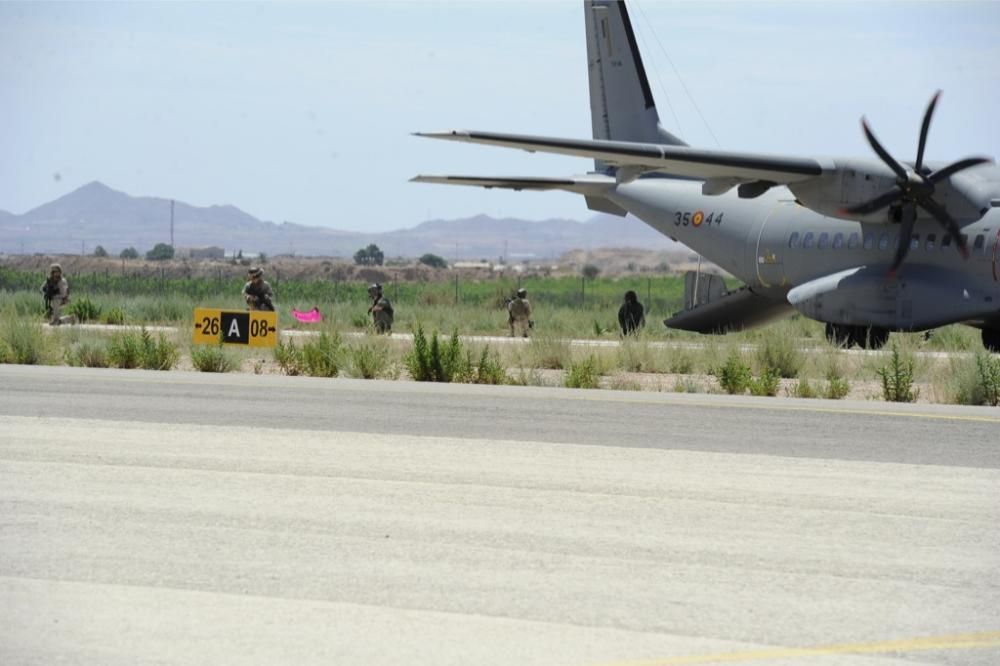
[
  {"x": 980, "y": 243},
  {"x": 915, "y": 242},
  {"x": 807, "y": 240},
  {"x": 869, "y": 240},
  {"x": 929, "y": 243},
  {"x": 838, "y": 241},
  {"x": 793, "y": 241},
  {"x": 883, "y": 241},
  {"x": 946, "y": 242},
  {"x": 824, "y": 240},
  {"x": 853, "y": 241}
]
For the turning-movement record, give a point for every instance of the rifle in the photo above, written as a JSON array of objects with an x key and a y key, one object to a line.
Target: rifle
[{"x": 49, "y": 291}]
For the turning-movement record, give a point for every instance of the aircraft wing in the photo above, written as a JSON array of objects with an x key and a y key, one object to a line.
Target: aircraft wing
[
  {"x": 676, "y": 160},
  {"x": 735, "y": 311}
]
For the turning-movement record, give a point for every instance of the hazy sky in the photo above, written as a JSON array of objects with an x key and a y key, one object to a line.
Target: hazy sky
[{"x": 303, "y": 112}]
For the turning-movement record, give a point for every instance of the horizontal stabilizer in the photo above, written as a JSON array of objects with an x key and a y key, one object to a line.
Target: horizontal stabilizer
[
  {"x": 737, "y": 310},
  {"x": 676, "y": 160},
  {"x": 505, "y": 183},
  {"x": 593, "y": 184}
]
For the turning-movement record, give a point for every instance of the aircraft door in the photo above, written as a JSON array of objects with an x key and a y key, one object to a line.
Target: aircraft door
[{"x": 772, "y": 245}]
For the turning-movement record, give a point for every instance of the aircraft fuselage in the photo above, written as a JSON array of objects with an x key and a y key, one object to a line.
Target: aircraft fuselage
[{"x": 774, "y": 245}]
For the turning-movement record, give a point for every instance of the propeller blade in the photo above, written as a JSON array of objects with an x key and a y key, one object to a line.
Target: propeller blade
[
  {"x": 905, "y": 238},
  {"x": 882, "y": 152},
  {"x": 946, "y": 221},
  {"x": 923, "y": 130},
  {"x": 955, "y": 167},
  {"x": 872, "y": 205}
]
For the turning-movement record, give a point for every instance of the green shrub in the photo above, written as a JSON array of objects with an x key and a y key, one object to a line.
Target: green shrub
[
  {"x": 836, "y": 387},
  {"x": 115, "y": 316},
  {"x": 583, "y": 374},
  {"x": 777, "y": 351},
  {"x": 430, "y": 361},
  {"x": 158, "y": 354},
  {"x": 361, "y": 320},
  {"x": 418, "y": 360},
  {"x": 734, "y": 375},
  {"x": 681, "y": 362},
  {"x": 84, "y": 309},
  {"x": 803, "y": 389},
  {"x": 489, "y": 370},
  {"x": 897, "y": 378},
  {"x": 212, "y": 358},
  {"x": 766, "y": 384},
  {"x": 131, "y": 349},
  {"x": 321, "y": 357},
  {"x": 125, "y": 350},
  {"x": 87, "y": 355},
  {"x": 686, "y": 385},
  {"x": 22, "y": 341},
  {"x": 978, "y": 382},
  {"x": 288, "y": 358},
  {"x": 368, "y": 360}
]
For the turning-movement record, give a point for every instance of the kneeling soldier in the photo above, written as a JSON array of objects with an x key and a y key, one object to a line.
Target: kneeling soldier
[{"x": 257, "y": 292}]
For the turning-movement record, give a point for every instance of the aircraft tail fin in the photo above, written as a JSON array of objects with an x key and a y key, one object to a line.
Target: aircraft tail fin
[{"x": 621, "y": 101}]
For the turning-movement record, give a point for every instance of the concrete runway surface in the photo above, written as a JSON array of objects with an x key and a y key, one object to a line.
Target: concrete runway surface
[{"x": 204, "y": 519}]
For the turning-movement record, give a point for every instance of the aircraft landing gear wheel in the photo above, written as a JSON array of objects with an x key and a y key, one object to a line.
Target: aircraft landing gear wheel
[
  {"x": 991, "y": 339},
  {"x": 870, "y": 338}
]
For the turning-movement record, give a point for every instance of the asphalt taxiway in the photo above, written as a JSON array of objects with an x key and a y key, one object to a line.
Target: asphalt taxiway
[{"x": 187, "y": 518}]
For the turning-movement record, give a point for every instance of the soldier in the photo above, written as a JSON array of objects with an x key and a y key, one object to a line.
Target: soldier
[
  {"x": 380, "y": 310},
  {"x": 630, "y": 315},
  {"x": 257, "y": 292},
  {"x": 55, "y": 291},
  {"x": 519, "y": 313}
]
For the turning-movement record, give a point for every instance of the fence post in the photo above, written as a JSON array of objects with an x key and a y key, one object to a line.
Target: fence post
[{"x": 456, "y": 288}]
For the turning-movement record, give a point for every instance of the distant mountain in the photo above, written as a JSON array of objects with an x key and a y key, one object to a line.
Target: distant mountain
[{"x": 95, "y": 215}]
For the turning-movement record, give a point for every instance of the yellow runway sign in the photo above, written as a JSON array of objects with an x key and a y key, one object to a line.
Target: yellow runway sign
[{"x": 235, "y": 327}]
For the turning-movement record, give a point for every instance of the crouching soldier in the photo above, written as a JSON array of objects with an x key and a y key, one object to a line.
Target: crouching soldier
[
  {"x": 55, "y": 291},
  {"x": 257, "y": 292},
  {"x": 380, "y": 310},
  {"x": 519, "y": 314}
]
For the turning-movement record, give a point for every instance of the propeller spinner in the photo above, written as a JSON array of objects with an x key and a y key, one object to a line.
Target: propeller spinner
[{"x": 915, "y": 188}]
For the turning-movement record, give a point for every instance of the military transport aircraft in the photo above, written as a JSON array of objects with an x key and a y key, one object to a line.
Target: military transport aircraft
[{"x": 865, "y": 246}]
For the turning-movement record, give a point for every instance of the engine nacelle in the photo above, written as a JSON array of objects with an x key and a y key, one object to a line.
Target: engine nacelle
[
  {"x": 852, "y": 182},
  {"x": 919, "y": 298}
]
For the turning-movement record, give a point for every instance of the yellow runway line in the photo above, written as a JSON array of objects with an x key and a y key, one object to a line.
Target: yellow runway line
[{"x": 983, "y": 639}]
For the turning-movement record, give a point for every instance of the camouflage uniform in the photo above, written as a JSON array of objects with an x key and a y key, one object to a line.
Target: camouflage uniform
[
  {"x": 382, "y": 314},
  {"x": 258, "y": 293},
  {"x": 55, "y": 290},
  {"x": 519, "y": 314},
  {"x": 380, "y": 310}
]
